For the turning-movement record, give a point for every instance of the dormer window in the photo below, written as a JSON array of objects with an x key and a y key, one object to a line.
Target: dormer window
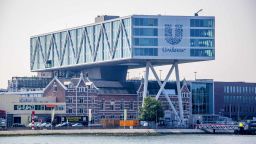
[
  {"x": 70, "y": 85},
  {"x": 55, "y": 87}
]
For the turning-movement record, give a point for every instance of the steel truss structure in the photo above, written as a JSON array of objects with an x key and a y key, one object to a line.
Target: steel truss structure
[
  {"x": 180, "y": 116},
  {"x": 96, "y": 43}
]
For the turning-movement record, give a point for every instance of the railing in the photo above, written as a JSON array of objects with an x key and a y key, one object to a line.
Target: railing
[{"x": 216, "y": 126}]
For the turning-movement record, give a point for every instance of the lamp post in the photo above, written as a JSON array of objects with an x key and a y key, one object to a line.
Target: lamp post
[
  {"x": 160, "y": 74},
  {"x": 195, "y": 75},
  {"x": 87, "y": 99},
  {"x": 76, "y": 100}
]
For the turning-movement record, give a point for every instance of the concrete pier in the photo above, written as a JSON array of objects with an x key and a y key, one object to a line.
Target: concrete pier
[{"x": 114, "y": 132}]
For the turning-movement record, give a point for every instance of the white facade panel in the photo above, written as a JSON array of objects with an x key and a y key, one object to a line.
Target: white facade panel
[{"x": 174, "y": 37}]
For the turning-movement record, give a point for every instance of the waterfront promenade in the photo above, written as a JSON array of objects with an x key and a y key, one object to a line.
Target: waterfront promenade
[{"x": 114, "y": 132}]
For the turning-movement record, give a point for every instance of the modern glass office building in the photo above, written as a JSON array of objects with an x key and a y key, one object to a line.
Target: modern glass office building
[
  {"x": 236, "y": 100},
  {"x": 129, "y": 41},
  {"x": 202, "y": 96},
  {"x": 113, "y": 44}
]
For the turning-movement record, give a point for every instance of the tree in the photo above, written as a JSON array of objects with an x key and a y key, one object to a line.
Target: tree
[{"x": 152, "y": 110}]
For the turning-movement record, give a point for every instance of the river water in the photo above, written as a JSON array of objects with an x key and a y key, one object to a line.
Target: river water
[{"x": 164, "y": 139}]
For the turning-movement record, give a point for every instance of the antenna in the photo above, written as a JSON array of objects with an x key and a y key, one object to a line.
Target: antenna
[{"x": 196, "y": 14}]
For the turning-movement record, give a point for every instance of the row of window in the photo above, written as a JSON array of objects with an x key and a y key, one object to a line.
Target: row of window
[
  {"x": 154, "y": 22},
  {"x": 240, "y": 89},
  {"x": 31, "y": 95},
  {"x": 202, "y": 52},
  {"x": 239, "y": 99},
  {"x": 193, "y": 42},
  {"x": 79, "y": 100},
  {"x": 116, "y": 117},
  {"x": 113, "y": 106},
  {"x": 145, "y": 22},
  {"x": 145, "y": 32},
  {"x": 202, "y": 42},
  {"x": 201, "y": 32},
  {"x": 80, "y": 110},
  {"x": 239, "y": 109},
  {"x": 145, "y": 41},
  {"x": 145, "y": 52},
  {"x": 201, "y": 22},
  {"x": 37, "y": 107}
]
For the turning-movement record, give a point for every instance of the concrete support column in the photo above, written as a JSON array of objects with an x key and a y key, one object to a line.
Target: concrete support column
[
  {"x": 179, "y": 92},
  {"x": 145, "y": 86}
]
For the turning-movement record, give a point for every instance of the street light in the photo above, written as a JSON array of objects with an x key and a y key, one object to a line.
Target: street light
[
  {"x": 160, "y": 74},
  {"x": 195, "y": 75}
]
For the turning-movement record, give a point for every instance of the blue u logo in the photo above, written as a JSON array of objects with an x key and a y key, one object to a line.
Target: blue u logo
[{"x": 173, "y": 40}]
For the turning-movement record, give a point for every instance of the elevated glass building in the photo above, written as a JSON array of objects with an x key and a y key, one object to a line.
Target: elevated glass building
[
  {"x": 129, "y": 41},
  {"x": 106, "y": 49}
]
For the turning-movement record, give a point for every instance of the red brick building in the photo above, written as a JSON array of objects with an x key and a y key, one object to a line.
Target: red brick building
[{"x": 106, "y": 99}]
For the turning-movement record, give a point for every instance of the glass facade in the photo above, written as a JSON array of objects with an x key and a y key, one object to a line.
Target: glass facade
[
  {"x": 236, "y": 100},
  {"x": 124, "y": 38},
  {"x": 202, "y": 52},
  {"x": 202, "y": 98},
  {"x": 145, "y": 32},
  {"x": 202, "y": 36},
  {"x": 145, "y": 40},
  {"x": 201, "y": 42},
  {"x": 145, "y": 22},
  {"x": 88, "y": 44},
  {"x": 201, "y": 22},
  {"x": 202, "y": 33},
  {"x": 145, "y": 52}
]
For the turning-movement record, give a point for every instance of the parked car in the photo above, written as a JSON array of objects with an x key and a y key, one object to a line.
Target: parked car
[
  {"x": 43, "y": 124},
  {"x": 18, "y": 125},
  {"x": 144, "y": 123},
  {"x": 65, "y": 124},
  {"x": 48, "y": 125},
  {"x": 2, "y": 123},
  {"x": 36, "y": 124},
  {"x": 58, "y": 125},
  {"x": 77, "y": 125}
]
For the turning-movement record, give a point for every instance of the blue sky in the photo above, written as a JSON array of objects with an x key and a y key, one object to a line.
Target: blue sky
[{"x": 235, "y": 31}]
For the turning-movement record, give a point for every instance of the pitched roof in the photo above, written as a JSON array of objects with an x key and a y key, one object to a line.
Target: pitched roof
[
  {"x": 184, "y": 88},
  {"x": 58, "y": 81}
]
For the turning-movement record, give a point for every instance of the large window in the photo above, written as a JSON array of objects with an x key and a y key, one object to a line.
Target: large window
[
  {"x": 102, "y": 103},
  {"x": 122, "y": 105},
  {"x": 145, "y": 41},
  {"x": 145, "y": 32},
  {"x": 81, "y": 110},
  {"x": 131, "y": 105},
  {"x": 201, "y": 22},
  {"x": 69, "y": 100},
  {"x": 145, "y": 52},
  {"x": 37, "y": 107},
  {"x": 202, "y": 33},
  {"x": 81, "y": 100},
  {"x": 112, "y": 105},
  {"x": 69, "y": 110},
  {"x": 201, "y": 98},
  {"x": 145, "y": 22},
  {"x": 202, "y": 52},
  {"x": 202, "y": 42}
]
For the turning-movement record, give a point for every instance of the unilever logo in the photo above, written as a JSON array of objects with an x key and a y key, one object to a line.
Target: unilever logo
[{"x": 173, "y": 40}]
